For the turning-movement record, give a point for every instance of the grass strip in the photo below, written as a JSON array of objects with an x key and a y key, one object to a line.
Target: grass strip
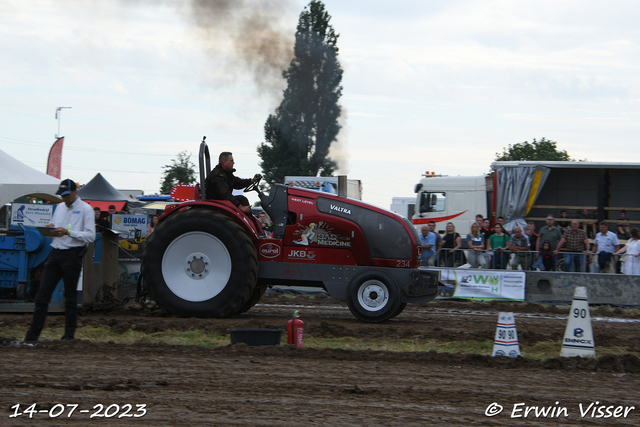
[{"x": 541, "y": 350}]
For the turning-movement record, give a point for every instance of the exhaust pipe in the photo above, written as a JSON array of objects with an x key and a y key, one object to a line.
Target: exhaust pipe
[{"x": 342, "y": 185}]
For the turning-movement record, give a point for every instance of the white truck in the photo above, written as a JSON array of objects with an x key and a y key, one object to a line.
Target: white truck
[
  {"x": 405, "y": 206},
  {"x": 456, "y": 199},
  {"x": 528, "y": 190}
]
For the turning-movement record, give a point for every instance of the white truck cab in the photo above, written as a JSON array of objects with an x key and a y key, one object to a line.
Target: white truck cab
[{"x": 456, "y": 199}]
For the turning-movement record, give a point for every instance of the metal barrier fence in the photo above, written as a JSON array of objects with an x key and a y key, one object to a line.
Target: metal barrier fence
[{"x": 577, "y": 262}]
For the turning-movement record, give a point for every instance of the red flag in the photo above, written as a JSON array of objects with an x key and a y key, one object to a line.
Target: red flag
[{"x": 54, "y": 163}]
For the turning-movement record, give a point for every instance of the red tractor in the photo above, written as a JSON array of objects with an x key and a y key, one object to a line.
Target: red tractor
[{"x": 208, "y": 259}]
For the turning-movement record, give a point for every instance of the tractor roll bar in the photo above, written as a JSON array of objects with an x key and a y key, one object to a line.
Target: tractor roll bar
[{"x": 203, "y": 158}]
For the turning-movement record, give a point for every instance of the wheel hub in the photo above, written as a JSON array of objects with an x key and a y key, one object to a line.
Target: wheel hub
[
  {"x": 197, "y": 266},
  {"x": 373, "y": 296}
]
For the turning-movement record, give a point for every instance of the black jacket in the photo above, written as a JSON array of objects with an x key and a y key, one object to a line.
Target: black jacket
[{"x": 220, "y": 184}]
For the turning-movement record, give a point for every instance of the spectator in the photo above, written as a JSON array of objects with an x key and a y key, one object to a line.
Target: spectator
[
  {"x": 486, "y": 229},
  {"x": 532, "y": 235},
  {"x": 479, "y": 220},
  {"x": 631, "y": 264},
  {"x": 101, "y": 223},
  {"x": 575, "y": 244},
  {"x": 564, "y": 222},
  {"x": 476, "y": 243},
  {"x": 587, "y": 223},
  {"x": 428, "y": 243},
  {"x": 547, "y": 255},
  {"x": 624, "y": 231},
  {"x": 605, "y": 246},
  {"x": 551, "y": 233},
  {"x": 451, "y": 243},
  {"x": 432, "y": 228},
  {"x": 498, "y": 244},
  {"x": 500, "y": 220},
  {"x": 519, "y": 243},
  {"x": 151, "y": 226},
  {"x": 112, "y": 212}
]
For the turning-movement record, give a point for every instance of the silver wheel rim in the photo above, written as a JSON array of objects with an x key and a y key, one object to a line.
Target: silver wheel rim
[
  {"x": 373, "y": 295},
  {"x": 196, "y": 266}
]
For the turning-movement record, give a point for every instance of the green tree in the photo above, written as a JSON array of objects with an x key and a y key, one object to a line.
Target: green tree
[
  {"x": 299, "y": 134},
  {"x": 536, "y": 150},
  {"x": 180, "y": 171}
]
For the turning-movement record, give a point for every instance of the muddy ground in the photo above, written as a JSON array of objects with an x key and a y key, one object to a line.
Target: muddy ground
[{"x": 282, "y": 385}]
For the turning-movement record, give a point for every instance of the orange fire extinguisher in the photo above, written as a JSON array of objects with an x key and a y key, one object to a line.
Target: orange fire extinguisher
[{"x": 295, "y": 328}]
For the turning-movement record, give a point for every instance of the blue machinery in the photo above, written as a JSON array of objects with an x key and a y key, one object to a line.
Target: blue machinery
[{"x": 23, "y": 251}]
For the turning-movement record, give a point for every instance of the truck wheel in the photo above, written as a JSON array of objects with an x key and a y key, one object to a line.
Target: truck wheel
[
  {"x": 373, "y": 297},
  {"x": 200, "y": 263}
]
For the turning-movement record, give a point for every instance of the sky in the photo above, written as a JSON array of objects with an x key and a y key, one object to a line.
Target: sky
[{"x": 428, "y": 85}]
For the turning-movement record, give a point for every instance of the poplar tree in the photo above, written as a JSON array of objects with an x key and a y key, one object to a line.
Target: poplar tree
[{"x": 300, "y": 132}]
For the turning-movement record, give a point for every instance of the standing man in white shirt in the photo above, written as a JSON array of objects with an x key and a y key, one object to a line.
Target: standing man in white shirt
[
  {"x": 73, "y": 228},
  {"x": 605, "y": 246}
]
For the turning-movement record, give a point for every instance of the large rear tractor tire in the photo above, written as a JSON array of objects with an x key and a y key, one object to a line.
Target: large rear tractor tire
[
  {"x": 373, "y": 297},
  {"x": 257, "y": 293},
  {"x": 199, "y": 263}
]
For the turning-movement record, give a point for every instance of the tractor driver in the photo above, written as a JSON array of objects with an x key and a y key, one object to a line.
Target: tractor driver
[{"x": 221, "y": 182}]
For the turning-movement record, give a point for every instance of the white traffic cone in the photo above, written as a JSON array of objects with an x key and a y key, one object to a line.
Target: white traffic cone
[
  {"x": 578, "y": 337},
  {"x": 506, "y": 340}
]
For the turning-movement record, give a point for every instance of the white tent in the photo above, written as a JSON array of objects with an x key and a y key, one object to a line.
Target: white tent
[{"x": 18, "y": 179}]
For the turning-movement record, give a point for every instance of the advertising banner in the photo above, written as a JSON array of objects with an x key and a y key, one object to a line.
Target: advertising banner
[
  {"x": 31, "y": 214},
  {"x": 129, "y": 223},
  {"x": 54, "y": 161},
  {"x": 132, "y": 231},
  {"x": 483, "y": 284}
]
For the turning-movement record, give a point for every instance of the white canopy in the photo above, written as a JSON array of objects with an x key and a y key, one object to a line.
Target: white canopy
[{"x": 18, "y": 179}]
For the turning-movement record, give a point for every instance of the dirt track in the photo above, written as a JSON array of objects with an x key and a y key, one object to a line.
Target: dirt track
[{"x": 280, "y": 385}]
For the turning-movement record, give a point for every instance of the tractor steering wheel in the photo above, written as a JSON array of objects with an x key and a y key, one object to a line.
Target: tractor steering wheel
[{"x": 253, "y": 186}]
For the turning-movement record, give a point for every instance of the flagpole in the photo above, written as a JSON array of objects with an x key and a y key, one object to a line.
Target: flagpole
[{"x": 58, "y": 114}]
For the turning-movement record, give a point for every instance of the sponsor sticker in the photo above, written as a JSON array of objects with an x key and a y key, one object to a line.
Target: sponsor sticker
[
  {"x": 301, "y": 254},
  {"x": 321, "y": 234},
  {"x": 270, "y": 250}
]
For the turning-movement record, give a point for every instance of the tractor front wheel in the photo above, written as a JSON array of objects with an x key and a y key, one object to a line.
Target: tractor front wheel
[
  {"x": 400, "y": 309},
  {"x": 373, "y": 297}
]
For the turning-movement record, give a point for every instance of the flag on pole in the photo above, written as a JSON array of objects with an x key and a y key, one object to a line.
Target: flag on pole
[{"x": 54, "y": 163}]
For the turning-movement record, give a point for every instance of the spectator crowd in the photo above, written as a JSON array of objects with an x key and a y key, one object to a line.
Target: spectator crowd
[{"x": 578, "y": 245}]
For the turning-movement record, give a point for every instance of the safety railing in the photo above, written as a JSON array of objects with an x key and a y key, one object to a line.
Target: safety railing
[{"x": 523, "y": 260}]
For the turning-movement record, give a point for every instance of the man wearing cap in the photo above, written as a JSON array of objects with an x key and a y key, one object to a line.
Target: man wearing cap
[{"x": 73, "y": 228}]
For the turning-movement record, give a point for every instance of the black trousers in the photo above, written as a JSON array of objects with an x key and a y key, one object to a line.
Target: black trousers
[
  {"x": 603, "y": 260},
  {"x": 65, "y": 265}
]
